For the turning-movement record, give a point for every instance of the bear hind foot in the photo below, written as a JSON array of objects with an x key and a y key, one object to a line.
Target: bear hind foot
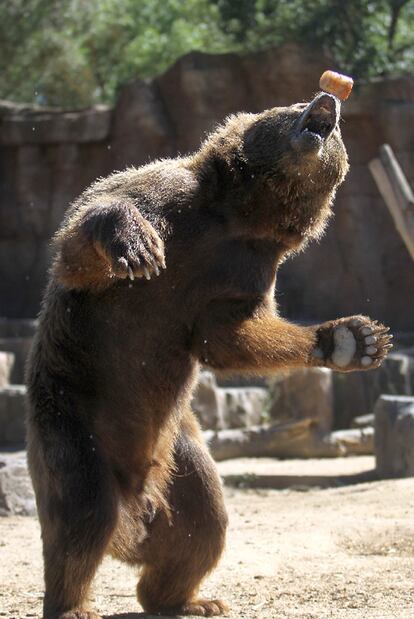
[{"x": 200, "y": 608}]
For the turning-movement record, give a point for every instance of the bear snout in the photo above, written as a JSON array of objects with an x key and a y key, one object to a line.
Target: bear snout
[{"x": 317, "y": 122}]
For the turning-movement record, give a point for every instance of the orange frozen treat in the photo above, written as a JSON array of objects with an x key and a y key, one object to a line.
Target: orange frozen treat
[{"x": 336, "y": 84}]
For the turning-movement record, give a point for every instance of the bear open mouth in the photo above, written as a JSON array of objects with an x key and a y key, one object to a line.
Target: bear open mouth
[
  {"x": 320, "y": 117},
  {"x": 320, "y": 128}
]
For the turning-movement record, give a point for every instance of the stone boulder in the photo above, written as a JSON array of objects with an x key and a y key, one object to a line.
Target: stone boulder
[
  {"x": 394, "y": 436},
  {"x": 242, "y": 407},
  {"x": 356, "y": 393},
  {"x": 205, "y": 402},
  {"x": 303, "y": 394},
  {"x": 16, "y": 492},
  {"x": 227, "y": 407}
]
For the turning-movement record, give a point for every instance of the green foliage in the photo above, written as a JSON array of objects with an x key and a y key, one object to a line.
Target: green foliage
[
  {"x": 366, "y": 38},
  {"x": 77, "y": 52}
]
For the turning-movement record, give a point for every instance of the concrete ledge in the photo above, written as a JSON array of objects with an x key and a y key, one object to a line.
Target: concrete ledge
[{"x": 91, "y": 125}]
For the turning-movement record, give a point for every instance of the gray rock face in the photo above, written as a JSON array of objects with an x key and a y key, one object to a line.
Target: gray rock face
[
  {"x": 206, "y": 403},
  {"x": 333, "y": 400},
  {"x": 227, "y": 407},
  {"x": 12, "y": 415},
  {"x": 355, "y": 394},
  {"x": 394, "y": 436},
  {"x": 242, "y": 406},
  {"x": 303, "y": 394},
  {"x": 32, "y": 126},
  {"x": 48, "y": 157},
  {"x": 16, "y": 492}
]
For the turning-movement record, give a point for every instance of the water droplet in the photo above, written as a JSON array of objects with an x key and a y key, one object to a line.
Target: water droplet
[{"x": 144, "y": 363}]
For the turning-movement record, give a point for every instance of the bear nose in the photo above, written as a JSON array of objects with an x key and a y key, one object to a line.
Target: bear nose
[
  {"x": 325, "y": 105},
  {"x": 321, "y": 115}
]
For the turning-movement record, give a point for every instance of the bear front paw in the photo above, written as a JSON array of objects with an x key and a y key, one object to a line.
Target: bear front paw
[
  {"x": 130, "y": 245},
  {"x": 354, "y": 343}
]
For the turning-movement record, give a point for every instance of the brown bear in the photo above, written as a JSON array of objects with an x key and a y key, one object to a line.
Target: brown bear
[{"x": 158, "y": 270}]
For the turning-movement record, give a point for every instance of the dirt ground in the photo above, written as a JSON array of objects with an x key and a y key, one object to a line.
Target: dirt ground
[{"x": 339, "y": 552}]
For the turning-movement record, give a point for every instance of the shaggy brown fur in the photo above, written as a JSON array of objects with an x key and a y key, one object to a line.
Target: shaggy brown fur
[{"x": 116, "y": 456}]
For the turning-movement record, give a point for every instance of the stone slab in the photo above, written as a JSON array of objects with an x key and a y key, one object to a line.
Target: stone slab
[
  {"x": 16, "y": 491},
  {"x": 394, "y": 436},
  {"x": 220, "y": 408}
]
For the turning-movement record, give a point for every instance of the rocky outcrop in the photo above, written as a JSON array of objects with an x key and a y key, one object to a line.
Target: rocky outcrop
[
  {"x": 303, "y": 394},
  {"x": 219, "y": 408},
  {"x": 394, "y": 436},
  {"x": 16, "y": 492},
  {"x": 48, "y": 157},
  {"x": 292, "y": 439},
  {"x": 355, "y": 394}
]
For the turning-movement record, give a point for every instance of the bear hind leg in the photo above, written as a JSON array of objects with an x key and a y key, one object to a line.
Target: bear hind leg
[
  {"x": 180, "y": 552},
  {"x": 77, "y": 508}
]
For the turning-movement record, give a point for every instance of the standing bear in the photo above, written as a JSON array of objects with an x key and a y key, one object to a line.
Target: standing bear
[{"x": 156, "y": 271}]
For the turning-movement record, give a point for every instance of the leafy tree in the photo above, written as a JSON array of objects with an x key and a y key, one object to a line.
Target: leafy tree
[
  {"x": 39, "y": 61},
  {"x": 366, "y": 37},
  {"x": 76, "y": 52}
]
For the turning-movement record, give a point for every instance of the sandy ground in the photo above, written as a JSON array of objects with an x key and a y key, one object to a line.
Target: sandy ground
[{"x": 341, "y": 552}]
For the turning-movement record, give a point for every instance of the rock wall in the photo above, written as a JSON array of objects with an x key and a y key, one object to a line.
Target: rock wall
[{"x": 48, "y": 156}]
